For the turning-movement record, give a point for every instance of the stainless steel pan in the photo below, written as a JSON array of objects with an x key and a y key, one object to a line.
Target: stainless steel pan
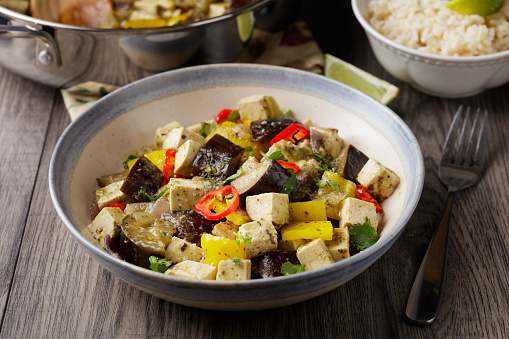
[{"x": 63, "y": 55}]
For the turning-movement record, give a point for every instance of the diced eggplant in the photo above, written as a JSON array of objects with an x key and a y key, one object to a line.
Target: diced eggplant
[
  {"x": 325, "y": 141},
  {"x": 190, "y": 225},
  {"x": 145, "y": 176},
  {"x": 110, "y": 246},
  {"x": 109, "y": 179},
  {"x": 266, "y": 130},
  {"x": 269, "y": 264},
  {"x": 219, "y": 157},
  {"x": 236, "y": 4},
  {"x": 142, "y": 236},
  {"x": 306, "y": 184},
  {"x": 350, "y": 162},
  {"x": 268, "y": 176}
]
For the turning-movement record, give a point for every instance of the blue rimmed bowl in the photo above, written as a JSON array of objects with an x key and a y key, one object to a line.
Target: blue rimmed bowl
[{"x": 99, "y": 140}]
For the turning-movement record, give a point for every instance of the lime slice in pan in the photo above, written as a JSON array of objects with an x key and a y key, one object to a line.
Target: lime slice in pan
[
  {"x": 479, "y": 7},
  {"x": 344, "y": 72},
  {"x": 245, "y": 25}
]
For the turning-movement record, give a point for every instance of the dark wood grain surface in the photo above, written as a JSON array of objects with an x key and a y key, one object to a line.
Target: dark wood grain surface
[{"x": 50, "y": 288}]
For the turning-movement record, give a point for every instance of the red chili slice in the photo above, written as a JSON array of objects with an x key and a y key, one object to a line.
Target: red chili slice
[
  {"x": 290, "y": 166},
  {"x": 363, "y": 194},
  {"x": 117, "y": 206},
  {"x": 206, "y": 203},
  {"x": 294, "y": 133},
  {"x": 169, "y": 164}
]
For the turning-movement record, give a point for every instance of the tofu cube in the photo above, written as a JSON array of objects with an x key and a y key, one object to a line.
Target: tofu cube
[
  {"x": 110, "y": 194},
  {"x": 108, "y": 221},
  {"x": 258, "y": 107},
  {"x": 339, "y": 246},
  {"x": 290, "y": 245},
  {"x": 185, "y": 193},
  {"x": 193, "y": 270},
  {"x": 273, "y": 207},
  {"x": 263, "y": 237},
  {"x": 228, "y": 270},
  {"x": 162, "y": 132},
  {"x": 378, "y": 179},
  {"x": 217, "y": 9},
  {"x": 314, "y": 255},
  {"x": 185, "y": 157},
  {"x": 225, "y": 230},
  {"x": 179, "y": 136},
  {"x": 179, "y": 250},
  {"x": 355, "y": 211}
]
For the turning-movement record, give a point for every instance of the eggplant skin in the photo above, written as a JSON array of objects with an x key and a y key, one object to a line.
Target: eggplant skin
[
  {"x": 219, "y": 157},
  {"x": 350, "y": 162},
  {"x": 269, "y": 264},
  {"x": 190, "y": 225},
  {"x": 144, "y": 175},
  {"x": 266, "y": 130}
]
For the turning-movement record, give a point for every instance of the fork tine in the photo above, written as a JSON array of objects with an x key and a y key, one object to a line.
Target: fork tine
[
  {"x": 473, "y": 141},
  {"x": 480, "y": 151},
  {"x": 448, "y": 150}
]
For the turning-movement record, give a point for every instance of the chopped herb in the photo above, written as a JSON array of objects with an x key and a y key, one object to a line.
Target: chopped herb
[
  {"x": 244, "y": 238},
  {"x": 229, "y": 196},
  {"x": 159, "y": 264},
  {"x": 203, "y": 133},
  {"x": 323, "y": 163},
  {"x": 103, "y": 91},
  {"x": 232, "y": 177},
  {"x": 287, "y": 112},
  {"x": 327, "y": 182},
  {"x": 129, "y": 158},
  {"x": 288, "y": 268},
  {"x": 364, "y": 235},
  {"x": 250, "y": 150},
  {"x": 143, "y": 193},
  {"x": 207, "y": 175},
  {"x": 165, "y": 233},
  {"x": 234, "y": 115},
  {"x": 289, "y": 184},
  {"x": 277, "y": 155},
  {"x": 236, "y": 261},
  {"x": 81, "y": 101}
]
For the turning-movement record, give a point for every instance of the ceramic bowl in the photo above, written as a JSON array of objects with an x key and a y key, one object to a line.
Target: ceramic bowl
[
  {"x": 442, "y": 76},
  {"x": 99, "y": 140}
]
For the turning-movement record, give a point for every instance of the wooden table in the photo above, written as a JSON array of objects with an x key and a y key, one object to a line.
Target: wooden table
[{"x": 50, "y": 288}]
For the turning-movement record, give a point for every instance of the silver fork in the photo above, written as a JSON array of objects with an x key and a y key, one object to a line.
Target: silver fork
[{"x": 457, "y": 170}]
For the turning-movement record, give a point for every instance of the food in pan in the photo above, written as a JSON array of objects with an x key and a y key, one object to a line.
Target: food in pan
[{"x": 253, "y": 193}]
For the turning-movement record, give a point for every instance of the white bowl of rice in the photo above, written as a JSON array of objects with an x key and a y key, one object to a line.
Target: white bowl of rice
[{"x": 436, "y": 50}]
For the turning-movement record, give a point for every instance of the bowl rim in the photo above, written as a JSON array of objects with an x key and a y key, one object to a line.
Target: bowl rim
[
  {"x": 177, "y": 28},
  {"x": 424, "y": 55},
  {"x": 96, "y": 110}
]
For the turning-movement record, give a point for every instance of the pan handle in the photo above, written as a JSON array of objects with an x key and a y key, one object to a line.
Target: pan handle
[{"x": 47, "y": 50}]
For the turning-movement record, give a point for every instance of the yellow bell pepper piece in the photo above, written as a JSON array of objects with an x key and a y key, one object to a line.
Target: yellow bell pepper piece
[
  {"x": 346, "y": 186},
  {"x": 157, "y": 157},
  {"x": 217, "y": 249},
  {"x": 145, "y": 23},
  {"x": 307, "y": 230},
  {"x": 178, "y": 19},
  {"x": 308, "y": 211},
  {"x": 333, "y": 198},
  {"x": 238, "y": 217}
]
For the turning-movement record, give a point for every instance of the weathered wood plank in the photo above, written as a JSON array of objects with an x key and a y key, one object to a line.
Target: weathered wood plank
[{"x": 24, "y": 113}]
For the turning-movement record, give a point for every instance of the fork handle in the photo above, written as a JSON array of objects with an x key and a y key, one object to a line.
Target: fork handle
[{"x": 426, "y": 293}]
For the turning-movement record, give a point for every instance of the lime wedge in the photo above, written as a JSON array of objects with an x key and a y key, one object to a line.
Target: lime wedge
[
  {"x": 479, "y": 7},
  {"x": 340, "y": 70},
  {"x": 245, "y": 25}
]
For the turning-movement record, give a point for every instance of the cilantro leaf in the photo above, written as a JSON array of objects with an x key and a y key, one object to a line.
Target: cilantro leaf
[
  {"x": 245, "y": 238},
  {"x": 236, "y": 261},
  {"x": 232, "y": 177},
  {"x": 143, "y": 193},
  {"x": 327, "y": 182},
  {"x": 288, "y": 268},
  {"x": 81, "y": 101},
  {"x": 207, "y": 175},
  {"x": 250, "y": 150},
  {"x": 277, "y": 155},
  {"x": 159, "y": 264},
  {"x": 363, "y": 236},
  {"x": 129, "y": 158},
  {"x": 103, "y": 91},
  {"x": 289, "y": 184}
]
